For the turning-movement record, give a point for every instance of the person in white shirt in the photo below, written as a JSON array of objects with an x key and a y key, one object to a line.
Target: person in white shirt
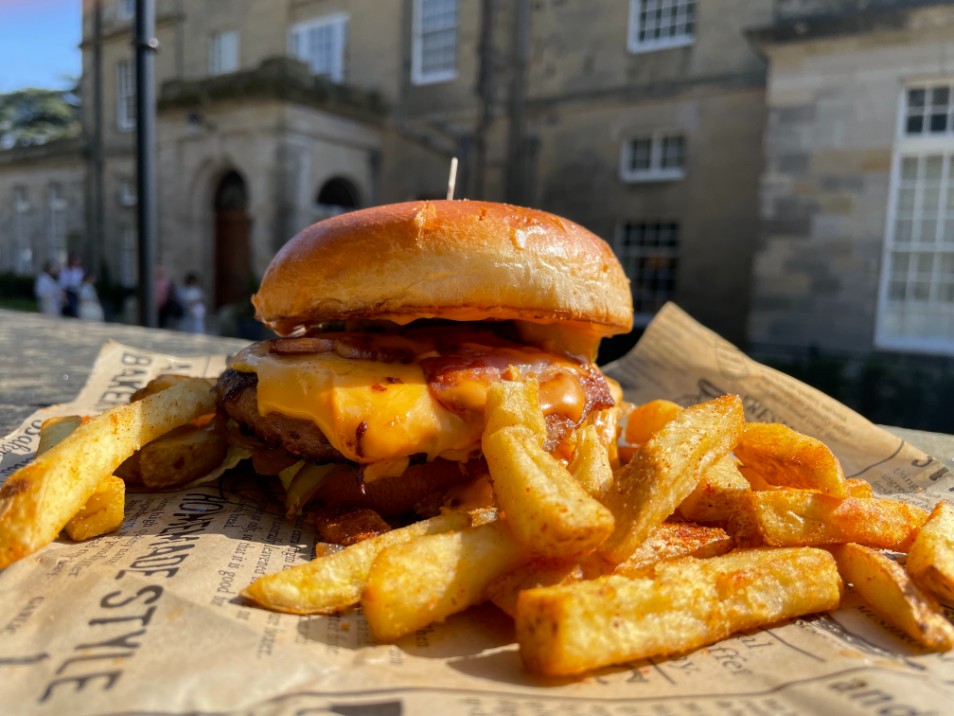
[
  {"x": 90, "y": 309},
  {"x": 49, "y": 295},
  {"x": 193, "y": 301}
]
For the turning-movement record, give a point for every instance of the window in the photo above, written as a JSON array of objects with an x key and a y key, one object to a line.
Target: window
[
  {"x": 22, "y": 250},
  {"x": 223, "y": 53},
  {"x": 654, "y": 157},
  {"x": 434, "y": 49},
  {"x": 916, "y": 301},
  {"x": 125, "y": 96},
  {"x": 649, "y": 253},
  {"x": 56, "y": 223},
  {"x": 660, "y": 24},
  {"x": 320, "y": 43}
]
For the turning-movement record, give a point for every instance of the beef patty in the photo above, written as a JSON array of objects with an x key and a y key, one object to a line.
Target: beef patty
[{"x": 236, "y": 395}]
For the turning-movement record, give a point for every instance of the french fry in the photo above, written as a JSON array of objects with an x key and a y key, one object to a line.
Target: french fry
[
  {"x": 55, "y": 430},
  {"x": 718, "y": 496},
  {"x": 181, "y": 456},
  {"x": 567, "y": 630},
  {"x": 667, "y": 468},
  {"x": 335, "y": 581},
  {"x": 39, "y": 499},
  {"x": 515, "y": 404},
  {"x": 590, "y": 465},
  {"x": 103, "y": 512},
  {"x": 858, "y": 487},
  {"x": 675, "y": 539},
  {"x": 644, "y": 420},
  {"x": 781, "y": 456},
  {"x": 789, "y": 517},
  {"x": 931, "y": 558},
  {"x": 105, "y": 509},
  {"x": 545, "y": 506},
  {"x": 426, "y": 580},
  {"x": 891, "y": 593},
  {"x": 163, "y": 382},
  {"x": 505, "y": 589}
]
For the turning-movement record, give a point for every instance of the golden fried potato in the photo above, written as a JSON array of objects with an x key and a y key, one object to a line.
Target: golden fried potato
[
  {"x": 719, "y": 495},
  {"x": 667, "y": 468},
  {"x": 103, "y": 512},
  {"x": 789, "y": 517},
  {"x": 891, "y": 593},
  {"x": 778, "y": 455},
  {"x": 568, "y": 630},
  {"x": 182, "y": 456},
  {"x": 646, "y": 419},
  {"x": 335, "y": 581},
  {"x": 931, "y": 558},
  {"x": 426, "y": 580},
  {"x": 39, "y": 499}
]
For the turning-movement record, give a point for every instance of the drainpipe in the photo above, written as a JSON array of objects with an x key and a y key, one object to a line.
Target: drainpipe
[
  {"x": 517, "y": 140},
  {"x": 145, "y": 44},
  {"x": 94, "y": 243}
]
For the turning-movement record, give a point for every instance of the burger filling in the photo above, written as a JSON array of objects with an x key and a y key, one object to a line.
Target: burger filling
[{"x": 387, "y": 400}]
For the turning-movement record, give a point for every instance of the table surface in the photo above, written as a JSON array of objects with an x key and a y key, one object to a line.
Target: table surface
[{"x": 44, "y": 361}]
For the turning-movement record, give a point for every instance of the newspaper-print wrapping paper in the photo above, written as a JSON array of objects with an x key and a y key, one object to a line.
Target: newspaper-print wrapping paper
[{"x": 149, "y": 620}]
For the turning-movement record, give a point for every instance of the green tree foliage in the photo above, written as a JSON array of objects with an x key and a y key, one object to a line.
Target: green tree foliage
[{"x": 37, "y": 116}]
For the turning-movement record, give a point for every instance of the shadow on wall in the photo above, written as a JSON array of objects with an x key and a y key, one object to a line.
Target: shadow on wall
[{"x": 909, "y": 391}]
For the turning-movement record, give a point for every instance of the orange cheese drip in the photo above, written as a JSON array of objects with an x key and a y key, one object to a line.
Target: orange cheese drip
[{"x": 369, "y": 410}]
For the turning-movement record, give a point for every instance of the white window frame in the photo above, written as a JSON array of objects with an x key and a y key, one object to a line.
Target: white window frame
[
  {"x": 56, "y": 222},
  {"x": 680, "y": 39},
  {"x": 420, "y": 75},
  {"x": 930, "y": 312},
  {"x": 298, "y": 37},
  {"x": 656, "y": 170},
  {"x": 23, "y": 251},
  {"x": 642, "y": 318},
  {"x": 223, "y": 52},
  {"x": 126, "y": 95}
]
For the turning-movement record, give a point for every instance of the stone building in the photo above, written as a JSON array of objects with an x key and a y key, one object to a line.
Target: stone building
[
  {"x": 640, "y": 119},
  {"x": 856, "y": 253}
]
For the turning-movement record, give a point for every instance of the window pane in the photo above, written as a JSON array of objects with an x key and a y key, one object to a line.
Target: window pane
[
  {"x": 932, "y": 167},
  {"x": 903, "y": 230},
  {"x": 648, "y": 252},
  {"x": 926, "y": 231},
  {"x": 916, "y": 98},
  {"x": 939, "y": 123},
  {"x": 909, "y": 168},
  {"x": 672, "y": 154},
  {"x": 906, "y": 200}
]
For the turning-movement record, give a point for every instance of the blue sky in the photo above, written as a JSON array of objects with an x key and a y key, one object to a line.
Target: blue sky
[{"x": 39, "y": 43}]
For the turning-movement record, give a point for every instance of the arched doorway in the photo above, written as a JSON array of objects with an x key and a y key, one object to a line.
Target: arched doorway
[
  {"x": 233, "y": 259},
  {"x": 336, "y": 196}
]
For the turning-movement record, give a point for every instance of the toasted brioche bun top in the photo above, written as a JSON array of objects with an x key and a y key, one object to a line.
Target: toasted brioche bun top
[{"x": 456, "y": 260}]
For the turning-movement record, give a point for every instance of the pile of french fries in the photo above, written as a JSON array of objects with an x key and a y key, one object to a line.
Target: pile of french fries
[{"x": 696, "y": 526}]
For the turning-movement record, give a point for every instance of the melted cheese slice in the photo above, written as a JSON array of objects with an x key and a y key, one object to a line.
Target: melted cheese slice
[{"x": 369, "y": 410}]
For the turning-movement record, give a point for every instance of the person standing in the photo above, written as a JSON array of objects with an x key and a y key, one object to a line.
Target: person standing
[
  {"x": 193, "y": 303},
  {"x": 49, "y": 295},
  {"x": 90, "y": 309},
  {"x": 71, "y": 281}
]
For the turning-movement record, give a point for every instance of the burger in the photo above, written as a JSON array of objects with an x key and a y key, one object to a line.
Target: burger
[{"x": 391, "y": 322}]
